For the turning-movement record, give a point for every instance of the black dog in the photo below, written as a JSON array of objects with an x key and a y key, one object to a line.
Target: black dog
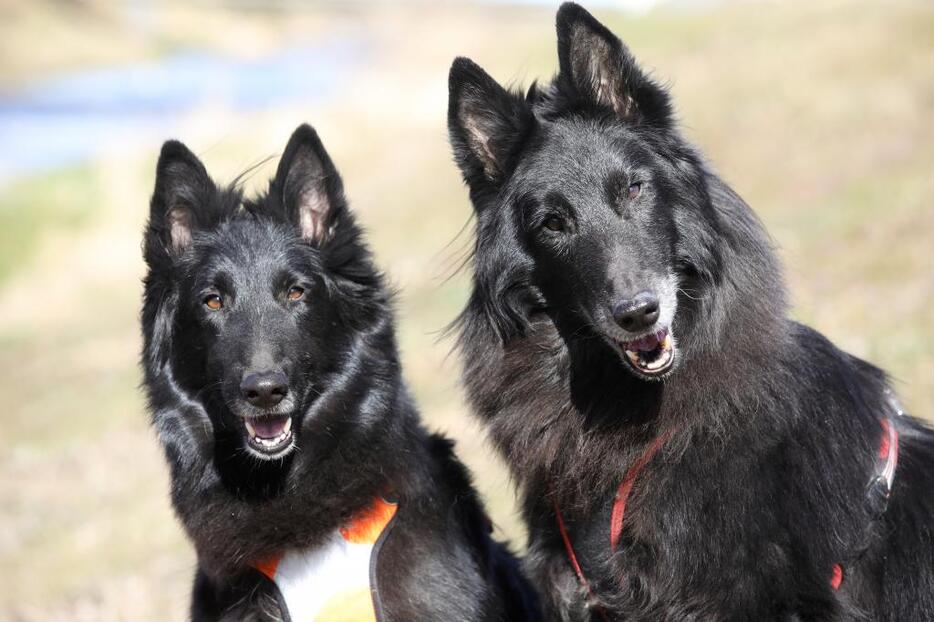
[
  {"x": 684, "y": 451},
  {"x": 274, "y": 383}
]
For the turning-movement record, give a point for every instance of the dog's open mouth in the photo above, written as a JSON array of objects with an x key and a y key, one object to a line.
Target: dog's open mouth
[
  {"x": 650, "y": 355},
  {"x": 269, "y": 436}
]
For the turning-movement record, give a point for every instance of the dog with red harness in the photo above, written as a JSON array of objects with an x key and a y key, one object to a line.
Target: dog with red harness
[{"x": 684, "y": 450}]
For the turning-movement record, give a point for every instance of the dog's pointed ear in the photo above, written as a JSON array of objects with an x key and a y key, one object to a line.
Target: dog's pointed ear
[
  {"x": 183, "y": 189},
  {"x": 596, "y": 67},
  {"x": 309, "y": 185},
  {"x": 486, "y": 123}
]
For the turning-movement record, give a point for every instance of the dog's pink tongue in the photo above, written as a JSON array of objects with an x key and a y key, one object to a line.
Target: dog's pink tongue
[
  {"x": 646, "y": 344},
  {"x": 269, "y": 426}
]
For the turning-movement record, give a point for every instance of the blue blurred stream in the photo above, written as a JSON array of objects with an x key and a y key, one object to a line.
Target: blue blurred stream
[{"x": 63, "y": 120}]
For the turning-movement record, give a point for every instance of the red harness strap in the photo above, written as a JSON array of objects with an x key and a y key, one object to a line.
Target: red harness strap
[
  {"x": 625, "y": 488},
  {"x": 570, "y": 548},
  {"x": 573, "y": 558},
  {"x": 616, "y": 516},
  {"x": 880, "y": 486},
  {"x": 888, "y": 454},
  {"x": 879, "y": 489}
]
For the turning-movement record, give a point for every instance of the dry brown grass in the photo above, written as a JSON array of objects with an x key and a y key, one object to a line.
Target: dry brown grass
[{"x": 819, "y": 116}]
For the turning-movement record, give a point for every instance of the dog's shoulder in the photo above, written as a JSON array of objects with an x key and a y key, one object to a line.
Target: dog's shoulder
[{"x": 441, "y": 555}]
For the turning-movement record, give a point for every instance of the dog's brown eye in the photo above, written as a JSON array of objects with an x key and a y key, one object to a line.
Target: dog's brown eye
[
  {"x": 554, "y": 224},
  {"x": 634, "y": 190},
  {"x": 295, "y": 293},
  {"x": 213, "y": 302}
]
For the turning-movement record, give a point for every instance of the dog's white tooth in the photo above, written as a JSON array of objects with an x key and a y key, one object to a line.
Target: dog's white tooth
[
  {"x": 634, "y": 357},
  {"x": 249, "y": 428},
  {"x": 288, "y": 426},
  {"x": 666, "y": 342}
]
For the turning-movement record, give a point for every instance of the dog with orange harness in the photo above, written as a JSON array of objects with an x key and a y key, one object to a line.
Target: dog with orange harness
[{"x": 300, "y": 470}]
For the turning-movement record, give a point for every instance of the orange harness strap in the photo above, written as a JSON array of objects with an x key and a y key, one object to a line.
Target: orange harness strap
[{"x": 335, "y": 580}]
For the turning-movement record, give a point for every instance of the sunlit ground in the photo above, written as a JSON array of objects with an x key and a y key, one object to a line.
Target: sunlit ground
[{"x": 819, "y": 117}]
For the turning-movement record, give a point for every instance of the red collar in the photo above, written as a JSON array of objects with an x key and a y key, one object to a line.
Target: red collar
[{"x": 877, "y": 493}]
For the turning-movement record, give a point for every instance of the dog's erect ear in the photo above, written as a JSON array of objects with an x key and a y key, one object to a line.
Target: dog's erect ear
[
  {"x": 598, "y": 68},
  {"x": 310, "y": 187},
  {"x": 183, "y": 188},
  {"x": 487, "y": 124}
]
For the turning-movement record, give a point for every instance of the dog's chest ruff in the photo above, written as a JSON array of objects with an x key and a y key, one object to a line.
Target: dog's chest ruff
[
  {"x": 335, "y": 581},
  {"x": 877, "y": 496}
]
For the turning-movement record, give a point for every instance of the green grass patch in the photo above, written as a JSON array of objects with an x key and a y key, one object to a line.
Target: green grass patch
[{"x": 32, "y": 206}]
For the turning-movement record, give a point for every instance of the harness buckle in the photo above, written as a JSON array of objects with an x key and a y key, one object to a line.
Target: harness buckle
[{"x": 877, "y": 495}]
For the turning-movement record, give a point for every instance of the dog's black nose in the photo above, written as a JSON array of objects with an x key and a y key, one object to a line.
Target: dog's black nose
[
  {"x": 264, "y": 389},
  {"x": 637, "y": 313}
]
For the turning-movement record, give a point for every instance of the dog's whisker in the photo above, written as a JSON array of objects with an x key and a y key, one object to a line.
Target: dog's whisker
[{"x": 687, "y": 294}]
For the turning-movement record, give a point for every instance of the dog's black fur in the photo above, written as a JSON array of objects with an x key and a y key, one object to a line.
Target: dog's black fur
[
  {"x": 356, "y": 431},
  {"x": 585, "y": 193}
]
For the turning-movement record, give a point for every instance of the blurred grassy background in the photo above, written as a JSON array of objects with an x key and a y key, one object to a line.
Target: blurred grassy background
[{"x": 820, "y": 116}]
